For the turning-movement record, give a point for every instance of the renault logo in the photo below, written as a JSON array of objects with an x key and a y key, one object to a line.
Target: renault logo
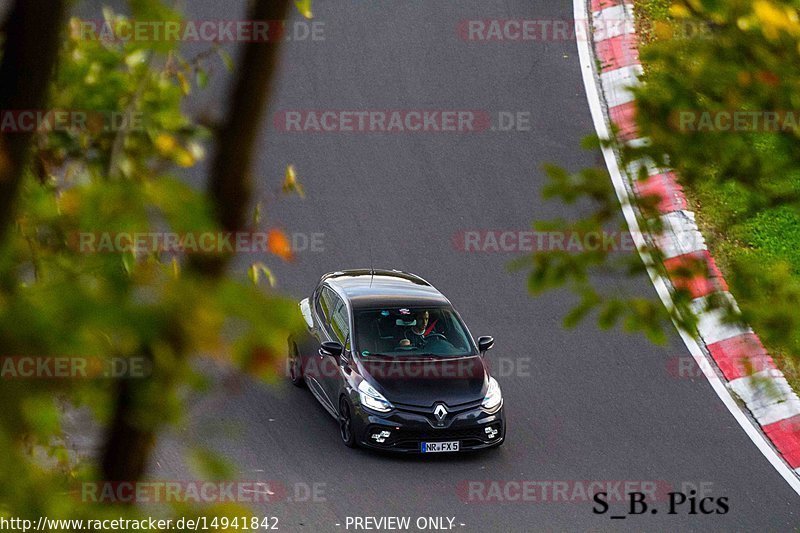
[{"x": 440, "y": 411}]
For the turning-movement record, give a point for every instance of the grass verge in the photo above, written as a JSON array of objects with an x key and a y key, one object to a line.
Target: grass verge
[{"x": 769, "y": 239}]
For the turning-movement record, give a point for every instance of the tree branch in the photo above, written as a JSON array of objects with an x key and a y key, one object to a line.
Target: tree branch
[
  {"x": 128, "y": 443},
  {"x": 230, "y": 186},
  {"x": 30, "y": 55}
]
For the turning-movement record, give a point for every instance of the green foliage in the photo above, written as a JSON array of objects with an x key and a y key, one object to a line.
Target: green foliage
[
  {"x": 58, "y": 300},
  {"x": 745, "y": 185},
  {"x": 743, "y": 63},
  {"x": 581, "y": 270},
  {"x": 710, "y": 56},
  {"x": 651, "y": 23}
]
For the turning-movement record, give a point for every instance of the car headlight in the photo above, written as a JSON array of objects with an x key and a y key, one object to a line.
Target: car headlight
[
  {"x": 372, "y": 398},
  {"x": 493, "y": 396}
]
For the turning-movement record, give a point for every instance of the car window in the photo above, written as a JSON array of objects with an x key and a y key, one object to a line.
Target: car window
[
  {"x": 340, "y": 325},
  {"x": 334, "y": 312},
  {"x": 410, "y": 331},
  {"x": 327, "y": 303}
]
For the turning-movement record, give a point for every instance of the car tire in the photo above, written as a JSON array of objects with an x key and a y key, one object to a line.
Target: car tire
[
  {"x": 295, "y": 367},
  {"x": 346, "y": 424}
]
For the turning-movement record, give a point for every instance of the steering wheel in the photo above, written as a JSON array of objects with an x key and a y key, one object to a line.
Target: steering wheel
[{"x": 438, "y": 343}]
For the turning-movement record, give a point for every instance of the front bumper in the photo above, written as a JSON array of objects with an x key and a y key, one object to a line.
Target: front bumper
[{"x": 472, "y": 426}]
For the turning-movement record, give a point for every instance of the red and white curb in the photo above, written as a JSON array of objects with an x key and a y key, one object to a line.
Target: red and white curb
[{"x": 732, "y": 357}]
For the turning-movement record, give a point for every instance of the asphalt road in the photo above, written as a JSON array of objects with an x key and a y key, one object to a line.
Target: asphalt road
[{"x": 581, "y": 404}]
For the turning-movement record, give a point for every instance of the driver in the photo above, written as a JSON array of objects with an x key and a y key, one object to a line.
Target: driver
[{"x": 416, "y": 334}]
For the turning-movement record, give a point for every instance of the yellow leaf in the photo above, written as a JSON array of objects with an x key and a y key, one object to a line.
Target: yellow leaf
[
  {"x": 775, "y": 19},
  {"x": 165, "y": 144},
  {"x": 257, "y": 214},
  {"x": 679, "y": 11},
  {"x": 663, "y": 30},
  {"x": 185, "y": 87},
  {"x": 185, "y": 159},
  {"x": 255, "y": 271},
  {"x": 69, "y": 202},
  {"x": 304, "y": 7},
  {"x": 290, "y": 183},
  {"x": 176, "y": 268}
]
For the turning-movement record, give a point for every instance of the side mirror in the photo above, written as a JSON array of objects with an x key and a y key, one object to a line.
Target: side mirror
[
  {"x": 485, "y": 343},
  {"x": 331, "y": 349},
  {"x": 305, "y": 310}
]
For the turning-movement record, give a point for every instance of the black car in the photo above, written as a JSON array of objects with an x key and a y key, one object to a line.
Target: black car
[{"x": 387, "y": 356}]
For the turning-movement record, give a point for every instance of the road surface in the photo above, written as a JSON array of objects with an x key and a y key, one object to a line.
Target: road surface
[{"x": 583, "y": 405}]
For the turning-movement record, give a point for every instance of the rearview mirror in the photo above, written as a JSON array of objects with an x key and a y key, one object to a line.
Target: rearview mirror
[
  {"x": 331, "y": 349},
  {"x": 485, "y": 343}
]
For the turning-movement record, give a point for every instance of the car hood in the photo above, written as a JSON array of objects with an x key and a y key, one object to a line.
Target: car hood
[{"x": 423, "y": 382}]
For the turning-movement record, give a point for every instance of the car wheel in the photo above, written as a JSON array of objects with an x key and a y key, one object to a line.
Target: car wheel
[
  {"x": 295, "y": 367},
  {"x": 346, "y": 424}
]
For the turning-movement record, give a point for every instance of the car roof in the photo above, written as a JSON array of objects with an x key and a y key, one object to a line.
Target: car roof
[{"x": 368, "y": 288}]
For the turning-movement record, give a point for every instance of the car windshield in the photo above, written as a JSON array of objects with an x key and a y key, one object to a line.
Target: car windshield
[{"x": 412, "y": 332}]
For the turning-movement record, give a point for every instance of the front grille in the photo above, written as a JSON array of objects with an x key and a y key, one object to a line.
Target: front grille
[
  {"x": 409, "y": 439},
  {"x": 453, "y": 411},
  {"x": 428, "y": 410}
]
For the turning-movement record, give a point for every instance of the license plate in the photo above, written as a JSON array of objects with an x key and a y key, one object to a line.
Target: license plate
[{"x": 433, "y": 447}]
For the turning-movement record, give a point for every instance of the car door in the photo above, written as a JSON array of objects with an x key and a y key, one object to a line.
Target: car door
[
  {"x": 339, "y": 330},
  {"x": 323, "y": 304}
]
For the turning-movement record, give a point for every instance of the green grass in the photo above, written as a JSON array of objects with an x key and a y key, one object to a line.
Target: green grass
[
  {"x": 775, "y": 233},
  {"x": 649, "y": 13},
  {"x": 769, "y": 238}
]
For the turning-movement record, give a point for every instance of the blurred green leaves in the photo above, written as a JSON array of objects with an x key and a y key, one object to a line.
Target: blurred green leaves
[
  {"x": 711, "y": 56},
  {"x": 121, "y": 173},
  {"x": 595, "y": 274},
  {"x": 743, "y": 182}
]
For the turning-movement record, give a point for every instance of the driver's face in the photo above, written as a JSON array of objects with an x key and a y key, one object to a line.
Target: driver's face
[{"x": 422, "y": 319}]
